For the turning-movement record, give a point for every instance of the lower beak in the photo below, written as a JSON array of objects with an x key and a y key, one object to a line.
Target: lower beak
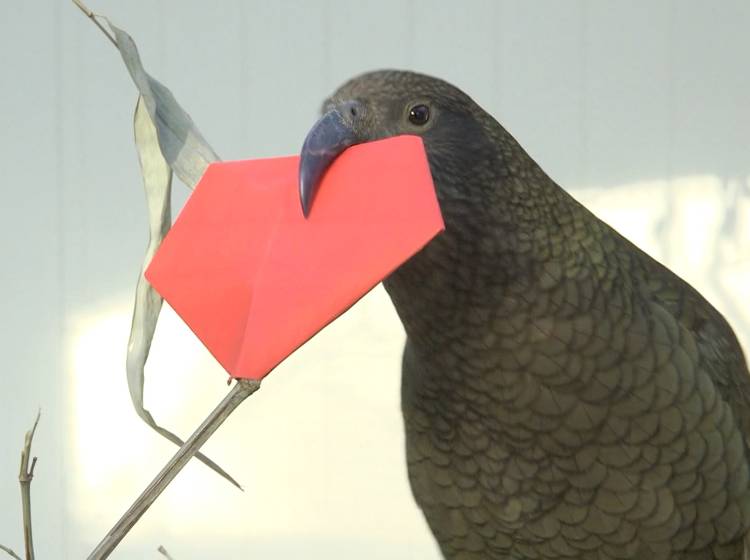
[{"x": 330, "y": 136}]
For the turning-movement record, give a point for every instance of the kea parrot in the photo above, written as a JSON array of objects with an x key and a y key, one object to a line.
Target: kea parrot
[{"x": 564, "y": 394}]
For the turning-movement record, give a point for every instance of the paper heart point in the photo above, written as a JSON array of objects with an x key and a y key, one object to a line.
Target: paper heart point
[{"x": 254, "y": 279}]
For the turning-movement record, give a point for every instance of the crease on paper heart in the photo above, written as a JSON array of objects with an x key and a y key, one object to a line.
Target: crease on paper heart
[{"x": 253, "y": 283}]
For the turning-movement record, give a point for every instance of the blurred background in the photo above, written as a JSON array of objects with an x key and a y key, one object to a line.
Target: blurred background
[{"x": 640, "y": 109}]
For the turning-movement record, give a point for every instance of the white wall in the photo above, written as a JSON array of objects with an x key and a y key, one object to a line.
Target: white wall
[{"x": 639, "y": 108}]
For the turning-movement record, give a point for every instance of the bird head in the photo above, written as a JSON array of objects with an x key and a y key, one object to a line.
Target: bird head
[{"x": 387, "y": 103}]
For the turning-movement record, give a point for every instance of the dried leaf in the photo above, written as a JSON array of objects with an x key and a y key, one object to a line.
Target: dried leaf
[
  {"x": 182, "y": 144},
  {"x": 167, "y": 141}
]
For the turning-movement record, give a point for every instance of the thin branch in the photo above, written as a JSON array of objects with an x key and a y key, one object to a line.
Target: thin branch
[
  {"x": 25, "y": 476},
  {"x": 93, "y": 17},
  {"x": 241, "y": 390},
  {"x": 164, "y": 553},
  {"x": 9, "y": 551}
]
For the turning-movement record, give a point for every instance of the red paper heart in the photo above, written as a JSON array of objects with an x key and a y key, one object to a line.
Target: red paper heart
[{"x": 254, "y": 279}]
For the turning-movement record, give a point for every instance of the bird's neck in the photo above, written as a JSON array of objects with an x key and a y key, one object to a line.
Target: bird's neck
[{"x": 508, "y": 240}]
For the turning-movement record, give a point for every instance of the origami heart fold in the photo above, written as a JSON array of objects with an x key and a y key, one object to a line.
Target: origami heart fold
[{"x": 254, "y": 279}]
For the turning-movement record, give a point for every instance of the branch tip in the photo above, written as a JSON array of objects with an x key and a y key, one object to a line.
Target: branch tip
[
  {"x": 163, "y": 552},
  {"x": 93, "y": 17}
]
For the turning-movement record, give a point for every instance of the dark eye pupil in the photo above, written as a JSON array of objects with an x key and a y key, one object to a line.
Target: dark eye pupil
[{"x": 419, "y": 114}]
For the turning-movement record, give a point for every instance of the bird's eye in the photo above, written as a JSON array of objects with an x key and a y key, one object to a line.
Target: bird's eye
[{"x": 419, "y": 114}]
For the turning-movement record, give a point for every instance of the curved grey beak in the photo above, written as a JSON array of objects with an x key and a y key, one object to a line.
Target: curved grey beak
[{"x": 330, "y": 136}]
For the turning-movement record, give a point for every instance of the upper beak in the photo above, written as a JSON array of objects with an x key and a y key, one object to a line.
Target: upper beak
[{"x": 330, "y": 136}]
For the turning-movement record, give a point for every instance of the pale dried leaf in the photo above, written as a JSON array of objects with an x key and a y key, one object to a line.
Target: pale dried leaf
[
  {"x": 167, "y": 140},
  {"x": 182, "y": 144}
]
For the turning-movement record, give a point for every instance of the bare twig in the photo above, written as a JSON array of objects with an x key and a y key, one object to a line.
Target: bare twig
[
  {"x": 164, "y": 553},
  {"x": 241, "y": 390},
  {"x": 25, "y": 476},
  {"x": 9, "y": 551},
  {"x": 93, "y": 17}
]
